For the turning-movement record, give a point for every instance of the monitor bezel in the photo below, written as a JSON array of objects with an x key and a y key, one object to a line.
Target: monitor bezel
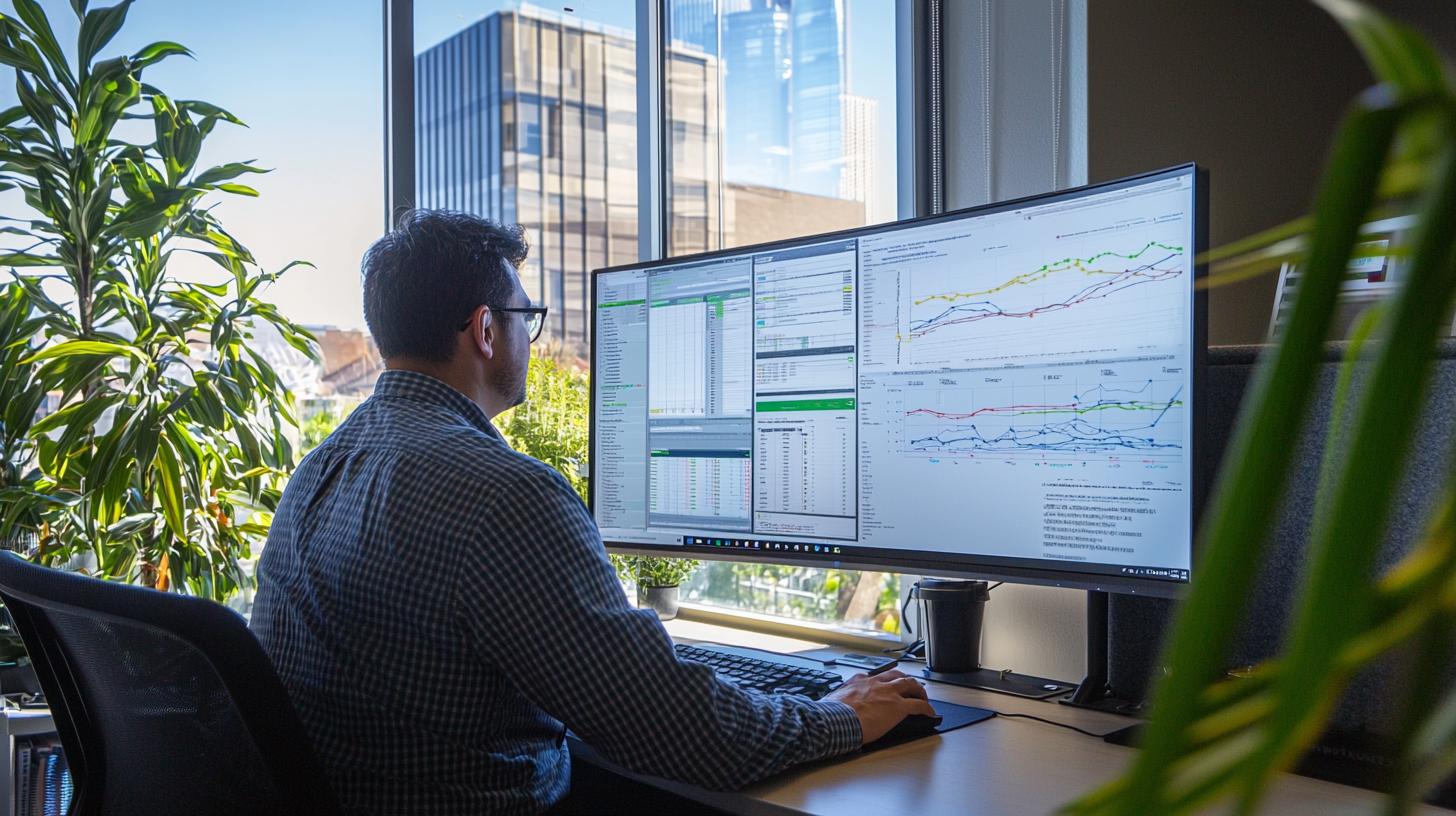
[{"x": 930, "y": 563}]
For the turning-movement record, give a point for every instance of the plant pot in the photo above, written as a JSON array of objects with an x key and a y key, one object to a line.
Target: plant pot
[{"x": 662, "y": 600}]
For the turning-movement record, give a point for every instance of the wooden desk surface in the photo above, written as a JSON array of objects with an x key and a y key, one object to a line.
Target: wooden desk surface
[{"x": 1000, "y": 767}]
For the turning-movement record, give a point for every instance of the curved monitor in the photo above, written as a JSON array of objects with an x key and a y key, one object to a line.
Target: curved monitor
[{"x": 1008, "y": 391}]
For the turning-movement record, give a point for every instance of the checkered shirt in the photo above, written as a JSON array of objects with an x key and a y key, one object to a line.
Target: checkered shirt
[{"x": 440, "y": 609}]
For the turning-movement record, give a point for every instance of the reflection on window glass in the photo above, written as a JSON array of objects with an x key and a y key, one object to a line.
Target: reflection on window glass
[
  {"x": 781, "y": 125},
  {"x": 529, "y": 116},
  {"x": 868, "y": 601},
  {"x": 769, "y": 136}
]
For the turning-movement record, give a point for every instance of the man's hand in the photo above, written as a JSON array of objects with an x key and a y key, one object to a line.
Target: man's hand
[{"x": 882, "y": 701}]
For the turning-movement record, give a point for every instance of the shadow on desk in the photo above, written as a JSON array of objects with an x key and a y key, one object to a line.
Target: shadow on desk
[{"x": 598, "y": 791}]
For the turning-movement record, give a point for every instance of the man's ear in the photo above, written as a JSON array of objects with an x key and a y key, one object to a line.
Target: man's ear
[{"x": 483, "y": 332}]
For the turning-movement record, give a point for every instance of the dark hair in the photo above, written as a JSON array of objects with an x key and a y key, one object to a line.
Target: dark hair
[{"x": 428, "y": 276}]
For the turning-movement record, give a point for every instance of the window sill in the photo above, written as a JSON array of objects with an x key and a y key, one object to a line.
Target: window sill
[{"x": 782, "y": 627}]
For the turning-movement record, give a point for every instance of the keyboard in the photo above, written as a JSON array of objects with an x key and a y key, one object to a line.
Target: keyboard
[{"x": 763, "y": 675}]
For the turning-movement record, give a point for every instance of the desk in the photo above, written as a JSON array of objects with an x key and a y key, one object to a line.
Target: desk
[{"x": 1000, "y": 767}]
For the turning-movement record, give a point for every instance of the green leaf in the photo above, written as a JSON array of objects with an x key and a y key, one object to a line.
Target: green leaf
[
  {"x": 1394, "y": 52},
  {"x": 208, "y": 110},
  {"x": 218, "y": 289},
  {"x": 156, "y": 52},
  {"x": 97, "y": 29},
  {"x": 45, "y": 39},
  {"x": 89, "y": 348},
  {"x": 169, "y": 487},
  {"x": 131, "y": 524},
  {"x": 1246, "y": 498},
  {"x": 1350, "y": 527},
  {"x": 79, "y": 414},
  {"x": 227, "y": 171},
  {"x": 27, "y": 259},
  {"x": 238, "y": 189}
]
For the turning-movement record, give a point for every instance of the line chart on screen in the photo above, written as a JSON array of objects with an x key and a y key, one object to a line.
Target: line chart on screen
[
  {"x": 1017, "y": 304},
  {"x": 1119, "y": 421}
]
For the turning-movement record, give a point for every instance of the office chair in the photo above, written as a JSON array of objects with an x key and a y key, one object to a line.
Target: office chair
[{"x": 165, "y": 704}]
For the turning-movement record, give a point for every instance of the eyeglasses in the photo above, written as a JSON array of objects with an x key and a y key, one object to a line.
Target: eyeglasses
[{"x": 535, "y": 318}]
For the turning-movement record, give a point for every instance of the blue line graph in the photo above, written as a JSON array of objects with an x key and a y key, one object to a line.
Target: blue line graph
[
  {"x": 981, "y": 310},
  {"x": 1102, "y": 420}
]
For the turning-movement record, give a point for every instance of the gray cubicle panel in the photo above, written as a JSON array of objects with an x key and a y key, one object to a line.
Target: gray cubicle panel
[{"x": 1136, "y": 624}]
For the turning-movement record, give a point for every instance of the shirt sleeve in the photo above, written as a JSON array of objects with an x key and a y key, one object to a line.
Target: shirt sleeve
[{"x": 544, "y": 606}]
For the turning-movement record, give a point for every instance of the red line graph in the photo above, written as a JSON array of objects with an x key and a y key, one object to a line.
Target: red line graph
[{"x": 1072, "y": 406}]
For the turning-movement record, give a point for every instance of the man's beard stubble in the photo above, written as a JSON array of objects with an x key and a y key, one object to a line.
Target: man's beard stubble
[{"x": 510, "y": 381}]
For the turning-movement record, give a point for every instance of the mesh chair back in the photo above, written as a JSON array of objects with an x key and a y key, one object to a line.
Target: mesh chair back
[{"x": 165, "y": 704}]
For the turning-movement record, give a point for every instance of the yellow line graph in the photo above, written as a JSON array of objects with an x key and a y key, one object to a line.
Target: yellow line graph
[{"x": 1047, "y": 271}]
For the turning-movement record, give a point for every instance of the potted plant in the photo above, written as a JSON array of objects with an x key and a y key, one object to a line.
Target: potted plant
[
  {"x": 658, "y": 580},
  {"x": 168, "y": 451}
]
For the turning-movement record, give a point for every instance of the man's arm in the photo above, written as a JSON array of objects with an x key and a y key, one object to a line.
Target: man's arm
[{"x": 546, "y": 609}]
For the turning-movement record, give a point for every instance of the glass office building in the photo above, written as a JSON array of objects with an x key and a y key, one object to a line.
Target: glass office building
[
  {"x": 756, "y": 48},
  {"x": 819, "y": 79},
  {"x": 530, "y": 118}
]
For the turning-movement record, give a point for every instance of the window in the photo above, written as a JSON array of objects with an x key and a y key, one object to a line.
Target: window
[
  {"x": 528, "y": 115},
  {"x": 323, "y": 200},
  {"x": 857, "y": 601},
  {"x": 781, "y": 119},
  {"x": 781, "y": 123}
]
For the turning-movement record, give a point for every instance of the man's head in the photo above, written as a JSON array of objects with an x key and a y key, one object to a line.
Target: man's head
[{"x": 432, "y": 291}]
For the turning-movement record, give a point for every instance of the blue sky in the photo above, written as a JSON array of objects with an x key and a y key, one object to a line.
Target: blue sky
[{"x": 306, "y": 76}]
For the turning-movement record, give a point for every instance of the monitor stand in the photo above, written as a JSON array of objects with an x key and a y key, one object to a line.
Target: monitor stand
[
  {"x": 1093, "y": 692},
  {"x": 1006, "y": 682}
]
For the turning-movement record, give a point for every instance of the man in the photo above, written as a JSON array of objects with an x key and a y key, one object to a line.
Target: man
[{"x": 440, "y": 607}]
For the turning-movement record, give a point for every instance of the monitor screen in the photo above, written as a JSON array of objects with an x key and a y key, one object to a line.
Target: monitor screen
[{"x": 1005, "y": 391}]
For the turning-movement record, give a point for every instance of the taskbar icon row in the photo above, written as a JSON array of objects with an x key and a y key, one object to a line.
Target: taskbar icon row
[
  {"x": 1157, "y": 572},
  {"x": 761, "y": 545}
]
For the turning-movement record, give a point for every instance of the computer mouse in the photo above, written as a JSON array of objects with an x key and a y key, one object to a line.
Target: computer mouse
[{"x": 917, "y": 724}]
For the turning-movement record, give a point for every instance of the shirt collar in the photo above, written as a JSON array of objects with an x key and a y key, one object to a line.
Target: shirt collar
[{"x": 412, "y": 385}]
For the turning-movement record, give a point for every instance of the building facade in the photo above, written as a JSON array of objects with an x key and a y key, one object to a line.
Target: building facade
[
  {"x": 758, "y": 59},
  {"x": 820, "y": 79},
  {"x": 530, "y": 117},
  {"x": 860, "y": 170}
]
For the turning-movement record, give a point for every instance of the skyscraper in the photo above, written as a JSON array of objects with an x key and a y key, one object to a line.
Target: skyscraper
[
  {"x": 819, "y": 80},
  {"x": 693, "y": 25},
  {"x": 861, "y": 168},
  {"x": 531, "y": 118},
  {"x": 758, "y": 70}
]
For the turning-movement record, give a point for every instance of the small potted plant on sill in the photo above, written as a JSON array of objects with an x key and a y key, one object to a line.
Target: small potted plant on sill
[{"x": 657, "y": 580}]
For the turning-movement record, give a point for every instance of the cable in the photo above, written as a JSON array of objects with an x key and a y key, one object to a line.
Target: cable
[
  {"x": 1049, "y": 722},
  {"x": 993, "y": 586}
]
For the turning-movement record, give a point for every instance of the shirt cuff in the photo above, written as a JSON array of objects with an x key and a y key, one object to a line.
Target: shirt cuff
[{"x": 844, "y": 731}]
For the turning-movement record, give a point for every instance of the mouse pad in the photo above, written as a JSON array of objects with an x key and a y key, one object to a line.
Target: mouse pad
[{"x": 953, "y": 717}]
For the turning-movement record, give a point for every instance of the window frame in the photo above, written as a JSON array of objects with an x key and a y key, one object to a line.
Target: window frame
[{"x": 918, "y": 126}]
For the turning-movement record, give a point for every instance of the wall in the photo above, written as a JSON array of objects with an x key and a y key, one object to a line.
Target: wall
[
  {"x": 1250, "y": 89},
  {"x": 1040, "y": 631}
]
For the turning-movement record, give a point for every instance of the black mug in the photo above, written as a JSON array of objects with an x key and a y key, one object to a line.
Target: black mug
[{"x": 950, "y": 621}]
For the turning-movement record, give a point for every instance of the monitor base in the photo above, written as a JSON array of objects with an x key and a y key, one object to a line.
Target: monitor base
[
  {"x": 1111, "y": 705},
  {"x": 1006, "y": 682}
]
